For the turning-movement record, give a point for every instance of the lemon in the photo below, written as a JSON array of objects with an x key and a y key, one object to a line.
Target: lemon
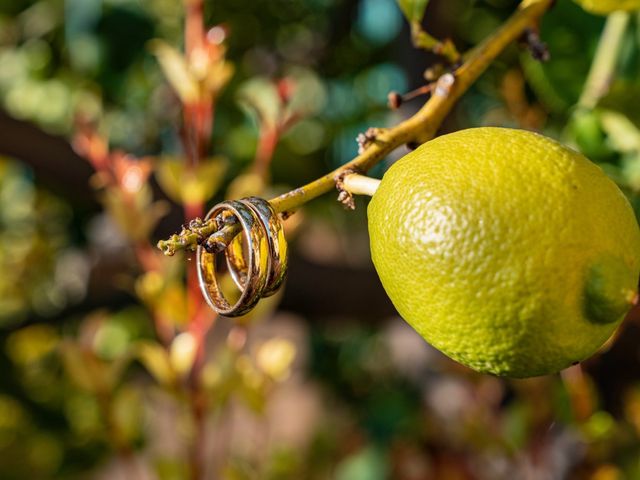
[
  {"x": 604, "y": 7},
  {"x": 507, "y": 251}
]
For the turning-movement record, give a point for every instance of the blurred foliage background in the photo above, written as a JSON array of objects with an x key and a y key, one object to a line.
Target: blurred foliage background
[{"x": 103, "y": 375}]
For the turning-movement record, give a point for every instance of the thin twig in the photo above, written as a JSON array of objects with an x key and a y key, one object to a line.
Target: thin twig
[
  {"x": 605, "y": 60},
  {"x": 417, "y": 129},
  {"x": 422, "y": 39}
]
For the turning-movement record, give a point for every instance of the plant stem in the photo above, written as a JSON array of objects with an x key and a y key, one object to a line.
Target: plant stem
[
  {"x": 198, "y": 123},
  {"x": 419, "y": 128},
  {"x": 422, "y": 39},
  {"x": 360, "y": 184},
  {"x": 605, "y": 60}
]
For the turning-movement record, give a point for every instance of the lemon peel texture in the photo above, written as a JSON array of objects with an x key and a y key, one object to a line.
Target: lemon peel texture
[{"x": 506, "y": 250}]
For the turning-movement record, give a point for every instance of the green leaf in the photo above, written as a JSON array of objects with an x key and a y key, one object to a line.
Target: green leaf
[
  {"x": 369, "y": 463},
  {"x": 169, "y": 173},
  {"x": 623, "y": 97},
  {"x": 413, "y": 9},
  {"x": 623, "y": 135},
  {"x": 182, "y": 352},
  {"x": 30, "y": 344},
  {"x": 156, "y": 360},
  {"x": 127, "y": 413},
  {"x": 260, "y": 99},
  {"x": 84, "y": 369},
  {"x": 309, "y": 93},
  {"x": 176, "y": 69},
  {"x": 138, "y": 220},
  {"x": 184, "y": 185}
]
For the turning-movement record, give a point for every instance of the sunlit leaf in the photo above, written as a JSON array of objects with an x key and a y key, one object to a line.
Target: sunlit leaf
[
  {"x": 369, "y": 463},
  {"x": 631, "y": 171},
  {"x": 83, "y": 369},
  {"x": 252, "y": 387},
  {"x": 182, "y": 352},
  {"x": 623, "y": 97},
  {"x": 599, "y": 426},
  {"x": 205, "y": 181},
  {"x": 155, "y": 359},
  {"x": 135, "y": 220},
  {"x": 260, "y": 99},
  {"x": 166, "y": 297},
  {"x": 246, "y": 185},
  {"x": 30, "y": 344},
  {"x": 168, "y": 468},
  {"x": 185, "y": 185},
  {"x": 169, "y": 173},
  {"x": 111, "y": 340},
  {"x": 623, "y": 135},
  {"x": 127, "y": 413},
  {"x": 176, "y": 70},
  {"x": 274, "y": 357},
  {"x": 219, "y": 75},
  {"x": 309, "y": 95}
]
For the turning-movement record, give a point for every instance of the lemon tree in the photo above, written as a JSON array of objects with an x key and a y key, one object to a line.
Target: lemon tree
[{"x": 509, "y": 252}]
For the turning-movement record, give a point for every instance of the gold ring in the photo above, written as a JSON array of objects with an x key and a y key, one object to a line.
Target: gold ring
[
  {"x": 259, "y": 271},
  {"x": 256, "y": 263},
  {"x": 277, "y": 242}
]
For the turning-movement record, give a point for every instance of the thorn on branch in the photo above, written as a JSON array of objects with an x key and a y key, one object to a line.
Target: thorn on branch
[{"x": 538, "y": 49}]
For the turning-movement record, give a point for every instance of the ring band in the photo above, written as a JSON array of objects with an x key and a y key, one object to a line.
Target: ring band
[
  {"x": 259, "y": 271},
  {"x": 256, "y": 272},
  {"x": 277, "y": 265}
]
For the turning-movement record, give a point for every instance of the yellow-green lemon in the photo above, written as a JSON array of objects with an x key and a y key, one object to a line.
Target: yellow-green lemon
[
  {"x": 604, "y": 7},
  {"x": 507, "y": 251}
]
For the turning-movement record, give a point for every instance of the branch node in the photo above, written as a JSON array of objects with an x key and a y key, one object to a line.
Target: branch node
[
  {"x": 368, "y": 138},
  {"x": 444, "y": 84},
  {"x": 345, "y": 197}
]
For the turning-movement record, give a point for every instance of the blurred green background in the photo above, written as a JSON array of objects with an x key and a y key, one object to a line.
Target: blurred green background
[{"x": 327, "y": 382}]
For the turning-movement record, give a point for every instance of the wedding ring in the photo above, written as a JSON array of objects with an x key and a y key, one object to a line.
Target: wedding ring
[
  {"x": 256, "y": 263},
  {"x": 256, "y": 259},
  {"x": 277, "y": 242}
]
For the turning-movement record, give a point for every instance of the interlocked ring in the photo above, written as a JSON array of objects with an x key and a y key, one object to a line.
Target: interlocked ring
[
  {"x": 277, "y": 252},
  {"x": 259, "y": 272}
]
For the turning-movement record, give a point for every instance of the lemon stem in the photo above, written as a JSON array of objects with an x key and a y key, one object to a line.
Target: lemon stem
[
  {"x": 605, "y": 60},
  {"x": 417, "y": 129},
  {"x": 360, "y": 184}
]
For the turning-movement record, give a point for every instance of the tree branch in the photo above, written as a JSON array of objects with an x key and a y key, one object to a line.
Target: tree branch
[{"x": 419, "y": 128}]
